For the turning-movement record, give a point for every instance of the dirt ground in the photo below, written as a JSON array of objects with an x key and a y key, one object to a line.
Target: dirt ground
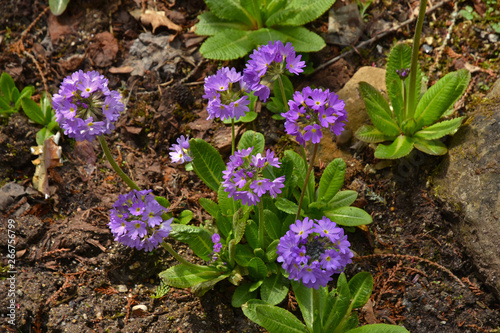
[{"x": 71, "y": 275}]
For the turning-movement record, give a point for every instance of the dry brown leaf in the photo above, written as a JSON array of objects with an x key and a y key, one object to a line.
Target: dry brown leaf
[
  {"x": 121, "y": 70},
  {"x": 155, "y": 18},
  {"x": 50, "y": 156}
]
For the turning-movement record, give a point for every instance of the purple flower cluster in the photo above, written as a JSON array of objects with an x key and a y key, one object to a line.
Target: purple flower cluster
[
  {"x": 266, "y": 63},
  {"x": 225, "y": 100},
  {"x": 136, "y": 220},
  {"x": 180, "y": 151},
  {"x": 312, "y": 250},
  {"x": 312, "y": 110},
  {"x": 403, "y": 73},
  {"x": 85, "y": 107},
  {"x": 243, "y": 178},
  {"x": 217, "y": 246}
]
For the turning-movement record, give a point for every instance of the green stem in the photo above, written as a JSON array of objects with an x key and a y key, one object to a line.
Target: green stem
[
  {"x": 233, "y": 137},
  {"x": 414, "y": 61},
  {"x": 316, "y": 324},
  {"x": 176, "y": 255},
  {"x": 306, "y": 181},
  {"x": 282, "y": 88},
  {"x": 115, "y": 166},
  {"x": 260, "y": 207}
]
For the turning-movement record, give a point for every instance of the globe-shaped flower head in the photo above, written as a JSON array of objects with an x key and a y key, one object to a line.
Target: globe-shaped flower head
[
  {"x": 85, "y": 107},
  {"x": 267, "y": 63},
  {"x": 243, "y": 177},
  {"x": 310, "y": 111},
  {"x": 313, "y": 250},
  {"x": 226, "y": 96},
  {"x": 136, "y": 220}
]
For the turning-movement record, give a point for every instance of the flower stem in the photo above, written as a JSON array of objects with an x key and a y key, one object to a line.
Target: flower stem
[
  {"x": 260, "y": 207},
  {"x": 233, "y": 137},
  {"x": 115, "y": 165},
  {"x": 414, "y": 61},
  {"x": 282, "y": 88},
  {"x": 176, "y": 255},
  {"x": 316, "y": 324},
  {"x": 306, "y": 181}
]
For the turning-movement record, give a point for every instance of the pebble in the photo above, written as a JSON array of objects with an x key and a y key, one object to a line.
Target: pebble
[
  {"x": 493, "y": 38},
  {"x": 140, "y": 307},
  {"x": 122, "y": 288},
  {"x": 427, "y": 48}
]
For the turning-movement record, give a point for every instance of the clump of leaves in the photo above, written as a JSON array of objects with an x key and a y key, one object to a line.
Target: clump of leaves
[
  {"x": 10, "y": 97},
  {"x": 237, "y": 27},
  {"x": 411, "y": 121},
  {"x": 42, "y": 114}
]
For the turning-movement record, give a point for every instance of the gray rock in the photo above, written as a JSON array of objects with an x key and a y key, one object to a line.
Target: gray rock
[
  {"x": 468, "y": 182},
  {"x": 8, "y": 193}
]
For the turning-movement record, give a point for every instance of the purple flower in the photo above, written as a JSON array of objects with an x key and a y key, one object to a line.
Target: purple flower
[
  {"x": 217, "y": 246},
  {"x": 310, "y": 111},
  {"x": 403, "y": 73},
  {"x": 225, "y": 100},
  {"x": 85, "y": 107},
  {"x": 180, "y": 152},
  {"x": 243, "y": 178},
  {"x": 313, "y": 250},
  {"x": 135, "y": 220},
  {"x": 267, "y": 63}
]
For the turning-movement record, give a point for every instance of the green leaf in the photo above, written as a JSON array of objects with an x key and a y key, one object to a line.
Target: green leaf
[
  {"x": 209, "y": 24},
  {"x": 343, "y": 198},
  {"x": 242, "y": 294},
  {"x": 272, "y": 224},
  {"x": 231, "y": 10},
  {"x": 271, "y": 254},
  {"x": 402, "y": 146},
  {"x": 247, "y": 118},
  {"x": 379, "y": 328},
  {"x": 33, "y": 111},
  {"x": 300, "y": 170},
  {"x": 378, "y": 109},
  {"x": 369, "y": 133},
  {"x": 340, "y": 306},
  {"x": 286, "y": 206},
  {"x": 272, "y": 318},
  {"x": 42, "y": 135},
  {"x": 26, "y": 93},
  {"x": 227, "y": 205},
  {"x": 243, "y": 255},
  {"x": 265, "y": 35},
  {"x": 332, "y": 180},
  {"x": 7, "y": 85},
  {"x": 252, "y": 234},
  {"x": 304, "y": 298},
  {"x": 274, "y": 289},
  {"x": 227, "y": 45},
  {"x": 306, "y": 11},
  {"x": 302, "y": 39},
  {"x": 349, "y": 216},
  {"x": 239, "y": 225},
  {"x": 162, "y": 201},
  {"x": 201, "y": 288},
  {"x": 185, "y": 216},
  {"x": 46, "y": 107},
  {"x": 207, "y": 163},
  {"x": 399, "y": 58},
  {"x": 440, "y": 97},
  {"x": 57, "y": 7},
  {"x": 431, "y": 147},
  {"x": 257, "y": 269},
  {"x": 198, "y": 239},
  {"x": 360, "y": 287},
  {"x": 210, "y": 206},
  {"x": 183, "y": 276},
  {"x": 252, "y": 139},
  {"x": 440, "y": 129}
]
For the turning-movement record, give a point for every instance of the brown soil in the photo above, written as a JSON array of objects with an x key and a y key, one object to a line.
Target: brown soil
[{"x": 71, "y": 275}]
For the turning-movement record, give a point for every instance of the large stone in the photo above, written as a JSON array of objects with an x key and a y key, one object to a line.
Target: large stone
[
  {"x": 356, "y": 113},
  {"x": 468, "y": 182}
]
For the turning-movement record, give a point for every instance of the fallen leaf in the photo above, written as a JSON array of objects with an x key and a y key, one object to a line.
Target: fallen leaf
[
  {"x": 104, "y": 49},
  {"x": 155, "y": 18},
  {"x": 121, "y": 70},
  {"x": 50, "y": 156}
]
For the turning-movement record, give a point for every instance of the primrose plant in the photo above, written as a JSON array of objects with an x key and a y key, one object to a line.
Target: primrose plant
[
  {"x": 411, "y": 120},
  {"x": 236, "y": 27},
  {"x": 272, "y": 226}
]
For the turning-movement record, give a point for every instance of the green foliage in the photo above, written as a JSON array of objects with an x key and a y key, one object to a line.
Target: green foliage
[
  {"x": 207, "y": 163},
  {"x": 410, "y": 126},
  {"x": 42, "y": 114},
  {"x": 237, "y": 27},
  {"x": 57, "y": 7},
  {"x": 10, "y": 97},
  {"x": 161, "y": 290},
  {"x": 322, "y": 310}
]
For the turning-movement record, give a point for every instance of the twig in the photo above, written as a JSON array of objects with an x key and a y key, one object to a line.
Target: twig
[
  {"x": 408, "y": 257},
  {"x": 18, "y": 46},
  {"x": 377, "y": 37},
  {"x": 39, "y": 70},
  {"x": 441, "y": 48}
]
